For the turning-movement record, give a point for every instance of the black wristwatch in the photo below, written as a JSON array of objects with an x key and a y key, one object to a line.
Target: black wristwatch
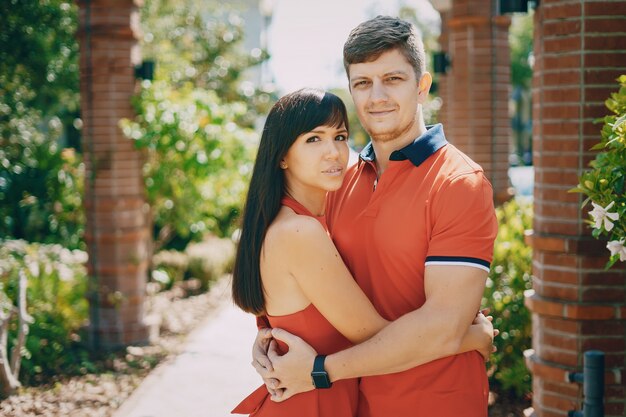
[{"x": 319, "y": 375}]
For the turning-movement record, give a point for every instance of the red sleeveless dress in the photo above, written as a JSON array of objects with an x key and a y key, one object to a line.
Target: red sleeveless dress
[{"x": 338, "y": 401}]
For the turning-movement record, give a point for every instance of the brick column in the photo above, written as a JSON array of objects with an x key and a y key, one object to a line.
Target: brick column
[
  {"x": 475, "y": 90},
  {"x": 443, "y": 84},
  {"x": 580, "y": 49},
  {"x": 117, "y": 230}
]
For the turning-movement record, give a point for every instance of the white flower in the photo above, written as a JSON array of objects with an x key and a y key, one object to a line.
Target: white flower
[
  {"x": 617, "y": 246},
  {"x": 601, "y": 214}
]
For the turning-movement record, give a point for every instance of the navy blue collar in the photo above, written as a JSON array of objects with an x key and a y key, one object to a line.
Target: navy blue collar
[{"x": 417, "y": 152}]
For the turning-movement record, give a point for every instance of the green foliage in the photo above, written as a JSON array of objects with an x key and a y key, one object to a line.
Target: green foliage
[
  {"x": 57, "y": 284},
  {"x": 521, "y": 46},
  {"x": 603, "y": 184},
  {"x": 38, "y": 55},
  {"x": 210, "y": 259},
  {"x": 195, "y": 120},
  {"x": 169, "y": 266},
  {"x": 199, "y": 43},
  {"x": 198, "y": 158},
  {"x": 40, "y": 184},
  {"x": 504, "y": 293}
]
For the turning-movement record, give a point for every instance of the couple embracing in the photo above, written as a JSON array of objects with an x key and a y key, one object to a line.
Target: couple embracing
[{"x": 366, "y": 280}]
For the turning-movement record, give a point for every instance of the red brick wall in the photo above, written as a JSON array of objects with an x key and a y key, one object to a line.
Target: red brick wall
[
  {"x": 580, "y": 48},
  {"x": 117, "y": 228},
  {"x": 476, "y": 87}
]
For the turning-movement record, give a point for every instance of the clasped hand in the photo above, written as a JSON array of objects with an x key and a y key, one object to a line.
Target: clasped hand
[
  {"x": 290, "y": 374},
  {"x": 284, "y": 375}
]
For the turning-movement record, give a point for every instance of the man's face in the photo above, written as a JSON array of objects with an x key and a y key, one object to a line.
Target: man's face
[{"x": 386, "y": 95}]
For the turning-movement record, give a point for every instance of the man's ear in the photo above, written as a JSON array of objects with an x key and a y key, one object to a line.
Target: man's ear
[{"x": 423, "y": 86}]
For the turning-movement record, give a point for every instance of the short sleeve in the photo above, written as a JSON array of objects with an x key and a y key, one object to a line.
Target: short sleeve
[{"x": 464, "y": 223}]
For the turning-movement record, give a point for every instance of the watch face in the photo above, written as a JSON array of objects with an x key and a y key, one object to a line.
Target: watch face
[{"x": 320, "y": 379}]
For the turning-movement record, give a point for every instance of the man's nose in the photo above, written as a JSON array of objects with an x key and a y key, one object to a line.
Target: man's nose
[{"x": 378, "y": 92}]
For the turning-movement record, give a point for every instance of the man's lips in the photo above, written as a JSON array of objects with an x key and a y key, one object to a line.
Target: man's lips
[{"x": 380, "y": 112}]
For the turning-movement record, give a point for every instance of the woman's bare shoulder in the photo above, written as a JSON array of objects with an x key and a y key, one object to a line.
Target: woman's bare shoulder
[{"x": 290, "y": 229}]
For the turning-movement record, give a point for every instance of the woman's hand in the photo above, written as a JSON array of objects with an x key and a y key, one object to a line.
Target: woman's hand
[
  {"x": 261, "y": 361},
  {"x": 482, "y": 327},
  {"x": 293, "y": 369}
]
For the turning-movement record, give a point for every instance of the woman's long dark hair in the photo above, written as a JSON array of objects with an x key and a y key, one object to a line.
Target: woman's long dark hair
[{"x": 294, "y": 114}]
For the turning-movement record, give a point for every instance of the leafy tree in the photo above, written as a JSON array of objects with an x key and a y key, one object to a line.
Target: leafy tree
[
  {"x": 38, "y": 55},
  {"x": 195, "y": 119},
  {"x": 40, "y": 183},
  {"x": 199, "y": 43},
  {"x": 521, "y": 46}
]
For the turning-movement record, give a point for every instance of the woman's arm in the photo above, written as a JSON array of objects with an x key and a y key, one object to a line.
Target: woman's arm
[{"x": 318, "y": 269}]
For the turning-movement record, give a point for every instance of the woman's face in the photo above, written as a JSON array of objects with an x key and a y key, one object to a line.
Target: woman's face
[{"x": 317, "y": 159}]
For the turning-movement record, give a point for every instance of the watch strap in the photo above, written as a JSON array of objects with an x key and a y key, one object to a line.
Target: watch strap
[{"x": 319, "y": 375}]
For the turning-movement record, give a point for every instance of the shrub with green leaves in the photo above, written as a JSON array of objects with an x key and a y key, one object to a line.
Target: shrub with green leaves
[
  {"x": 40, "y": 182},
  {"x": 40, "y": 185},
  {"x": 198, "y": 159},
  {"x": 603, "y": 184},
  {"x": 195, "y": 120},
  {"x": 509, "y": 277},
  {"x": 210, "y": 259},
  {"x": 169, "y": 266},
  {"x": 57, "y": 284}
]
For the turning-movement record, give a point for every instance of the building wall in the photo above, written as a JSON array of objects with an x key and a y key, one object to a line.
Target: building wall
[
  {"x": 580, "y": 49},
  {"x": 475, "y": 89}
]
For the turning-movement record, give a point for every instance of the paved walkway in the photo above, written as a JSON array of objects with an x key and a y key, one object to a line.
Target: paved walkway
[{"x": 210, "y": 376}]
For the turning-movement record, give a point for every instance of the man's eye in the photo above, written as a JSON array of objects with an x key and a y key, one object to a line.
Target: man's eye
[{"x": 360, "y": 83}]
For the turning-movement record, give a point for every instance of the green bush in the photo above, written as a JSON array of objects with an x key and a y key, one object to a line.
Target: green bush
[
  {"x": 504, "y": 293},
  {"x": 169, "y": 266},
  {"x": 198, "y": 159},
  {"x": 57, "y": 284},
  {"x": 210, "y": 259},
  {"x": 40, "y": 183},
  {"x": 603, "y": 184},
  {"x": 195, "y": 120}
]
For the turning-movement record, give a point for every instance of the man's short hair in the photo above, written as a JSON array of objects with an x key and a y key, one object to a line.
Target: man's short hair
[{"x": 372, "y": 38}]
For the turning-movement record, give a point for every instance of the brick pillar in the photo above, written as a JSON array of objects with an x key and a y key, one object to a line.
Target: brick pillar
[
  {"x": 475, "y": 90},
  {"x": 443, "y": 85},
  {"x": 117, "y": 230},
  {"x": 576, "y": 305}
]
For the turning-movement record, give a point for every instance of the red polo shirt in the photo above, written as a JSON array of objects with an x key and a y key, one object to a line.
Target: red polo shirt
[{"x": 432, "y": 205}]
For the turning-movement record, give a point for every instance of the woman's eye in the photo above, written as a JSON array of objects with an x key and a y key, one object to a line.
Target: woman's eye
[
  {"x": 341, "y": 138},
  {"x": 312, "y": 139}
]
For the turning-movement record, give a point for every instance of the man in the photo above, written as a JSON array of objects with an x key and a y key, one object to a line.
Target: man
[{"x": 415, "y": 223}]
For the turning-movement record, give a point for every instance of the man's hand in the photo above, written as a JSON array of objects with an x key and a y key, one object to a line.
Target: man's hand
[
  {"x": 293, "y": 369},
  {"x": 261, "y": 362}
]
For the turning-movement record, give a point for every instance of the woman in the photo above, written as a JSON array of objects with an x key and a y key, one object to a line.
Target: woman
[{"x": 287, "y": 267}]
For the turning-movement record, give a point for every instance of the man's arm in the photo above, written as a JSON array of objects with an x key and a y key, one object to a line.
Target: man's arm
[{"x": 435, "y": 330}]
